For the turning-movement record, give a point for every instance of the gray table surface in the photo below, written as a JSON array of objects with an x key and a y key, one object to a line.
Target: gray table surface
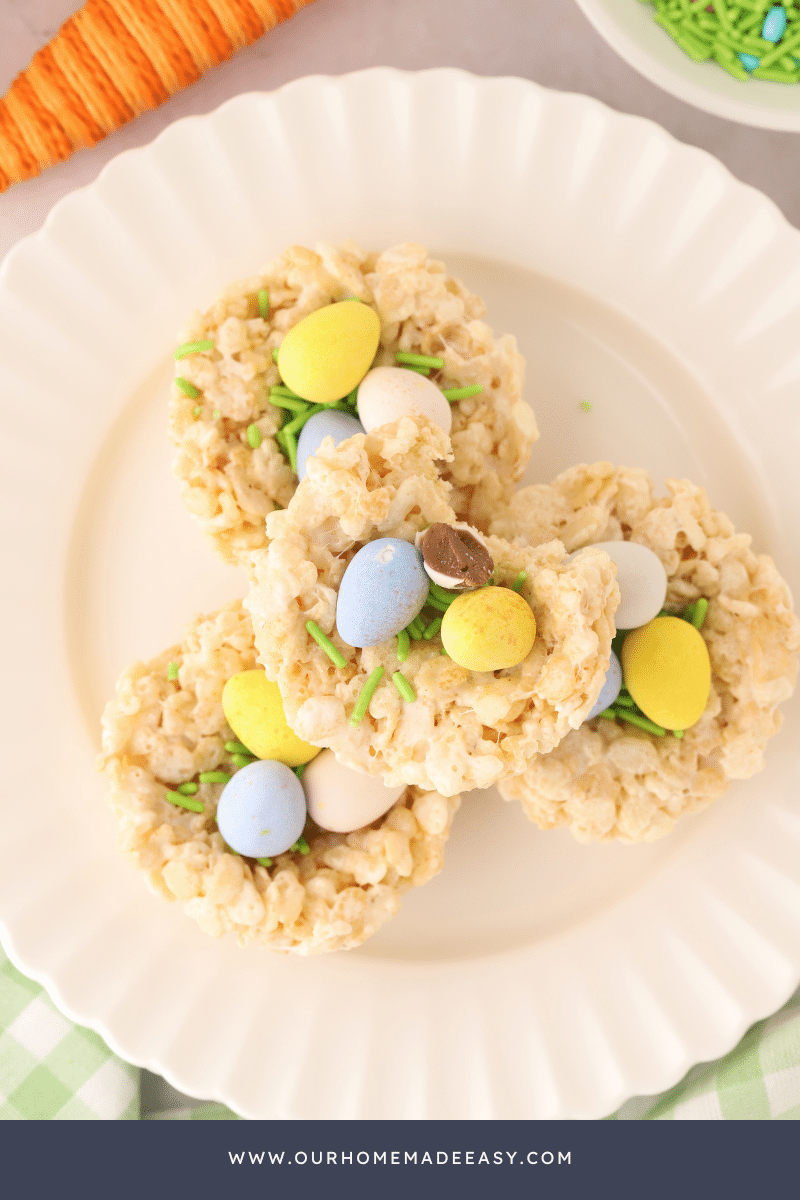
[{"x": 551, "y": 43}]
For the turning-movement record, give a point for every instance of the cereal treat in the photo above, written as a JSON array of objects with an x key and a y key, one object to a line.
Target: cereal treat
[
  {"x": 168, "y": 752},
  {"x": 614, "y": 777},
  {"x": 400, "y": 676},
  {"x": 235, "y": 422}
]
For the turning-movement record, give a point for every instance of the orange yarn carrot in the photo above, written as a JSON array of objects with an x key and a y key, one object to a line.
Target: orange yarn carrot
[{"x": 112, "y": 60}]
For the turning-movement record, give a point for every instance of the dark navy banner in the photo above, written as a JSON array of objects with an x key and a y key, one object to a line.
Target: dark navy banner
[{"x": 195, "y": 1159}]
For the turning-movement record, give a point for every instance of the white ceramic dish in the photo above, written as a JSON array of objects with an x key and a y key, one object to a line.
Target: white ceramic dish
[
  {"x": 534, "y": 977},
  {"x": 629, "y": 28}
]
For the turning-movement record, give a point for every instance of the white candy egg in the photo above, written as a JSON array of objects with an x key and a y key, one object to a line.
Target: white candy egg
[
  {"x": 340, "y": 799},
  {"x": 387, "y": 393},
  {"x": 642, "y": 582}
]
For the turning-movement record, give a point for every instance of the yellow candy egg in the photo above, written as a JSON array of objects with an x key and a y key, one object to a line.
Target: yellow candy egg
[
  {"x": 488, "y": 629},
  {"x": 666, "y": 668},
  {"x": 254, "y": 710},
  {"x": 329, "y": 352}
]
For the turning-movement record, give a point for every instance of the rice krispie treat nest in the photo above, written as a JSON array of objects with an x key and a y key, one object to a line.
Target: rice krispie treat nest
[
  {"x": 230, "y": 485},
  {"x": 608, "y": 780},
  {"x": 161, "y": 732},
  {"x": 465, "y": 728}
]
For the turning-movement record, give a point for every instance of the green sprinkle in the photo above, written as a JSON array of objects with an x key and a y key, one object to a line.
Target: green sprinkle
[
  {"x": 236, "y": 748},
  {"x": 586, "y": 406},
  {"x": 431, "y": 630},
  {"x": 608, "y": 714},
  {"x": 184, "y": 802},
  {"x": 193, "y": 348},
  {"x": 358, "y": 298},
  {"x": 299, "y": 770},
  {"x": 352, "y": 399},
  {"x": 187, "y": 789},
  {"x": 296, "y": 424},
  {"x": 453, "y": 394},
  {"x": 678, "y": 733},
  {"x": 416, "y": 628},
  {"x": 624, "y": 701},
  {"x": 519, "y": 581},
  {"x": 641, "y": 722},
  {"x": 214, "y": 777},
  {"x": 326, "y": 644},
  {"x": 275, "y": 354},
  {"x": 403, "y": 645},
  {"x": 404, "y": 687},
  {"x": 301, "y": 846},
  {"x": 699, "y": 614},
  {"x": 418, "y": 360},
  {"x": 197, "y": 412},
  {"x": 253, "y": 436},
  {"x": 443, "y": 594},
  {"x": 187, "y": 388},
  {"x": 434, "y": 602},
  {"x": 289, "y": 402},
  {"x": 362, "y": 704},
  {"x": 280, "y": 389},
  {"x": 216, "y": 414},
  {"x": 444, "y": 652},
  {"x": 264, "y": 862},
  {"x": 290, "y": 442},
  {"x": 242, "y": 760},
  {"x": 263, "y": 303},
  {"x": 173, "y": 669},
  {"x": 419, "y": 370}
]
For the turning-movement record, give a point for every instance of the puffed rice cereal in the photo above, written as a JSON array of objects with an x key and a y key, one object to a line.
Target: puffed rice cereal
[
  {"x": 230, "y": 485},
  {"x": 464, "y": 729},
  {"x": 608, "y": 781},
  {"x": 161, "y": 732}
]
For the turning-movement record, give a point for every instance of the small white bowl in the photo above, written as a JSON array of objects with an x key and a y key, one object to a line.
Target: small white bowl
[{"x": 629, "y": 28}]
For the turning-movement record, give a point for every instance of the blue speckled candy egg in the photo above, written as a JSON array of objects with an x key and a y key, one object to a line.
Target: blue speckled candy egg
[
  {"x": 262, "y": 810},
  {"x": 338, "y": 425},
  {"x": 775, "y": 22},
  {"x": 611, "y": 688},
  {"x": 383, "y": 588}
]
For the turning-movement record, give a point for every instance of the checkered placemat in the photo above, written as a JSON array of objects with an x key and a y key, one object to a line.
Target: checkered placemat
[
  {"x": 51, "y": 1069},
  {"x": 758, "y": 1081}
]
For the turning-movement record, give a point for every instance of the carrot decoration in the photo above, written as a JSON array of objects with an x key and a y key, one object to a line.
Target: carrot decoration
[{"x": 113, "y": 60}]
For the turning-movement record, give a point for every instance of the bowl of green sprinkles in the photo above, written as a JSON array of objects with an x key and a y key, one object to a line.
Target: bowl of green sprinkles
[{"x": 737, "y": 60}]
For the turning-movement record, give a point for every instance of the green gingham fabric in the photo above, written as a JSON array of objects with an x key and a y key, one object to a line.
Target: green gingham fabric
[{"x": 51, "y": 1069}]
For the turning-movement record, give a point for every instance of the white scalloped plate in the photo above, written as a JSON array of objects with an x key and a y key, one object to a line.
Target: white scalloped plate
[{"x": 534, "y": 977}]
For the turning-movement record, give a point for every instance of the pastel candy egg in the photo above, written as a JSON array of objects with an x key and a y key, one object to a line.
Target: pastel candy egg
[
  {"x": 341, "y": 800},
  {"x": 489, "y": 629},
  {"x": 382, "y": 590},
  {"x": 610, "y": 689},
  {"x": 667, "y": 670},
  {"x": 262, "y": 810},
  {"x": 642, "y": 582},
  {"x": 337, "y": 425},
  {"x": 387, "y": 393},
  {"x": 254, "y": 710},
  {"x": 324, "y": 356},
  {"x": 775, "y": 23}
]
